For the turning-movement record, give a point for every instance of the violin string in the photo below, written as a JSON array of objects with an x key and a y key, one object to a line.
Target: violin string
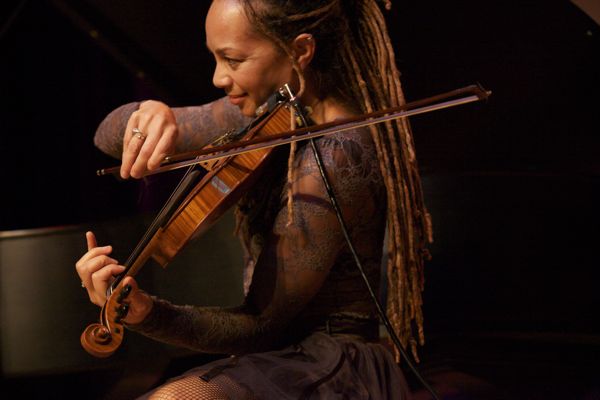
[
  {"x": 150, "y": 232},
  {"x": 158, "y": 219}
]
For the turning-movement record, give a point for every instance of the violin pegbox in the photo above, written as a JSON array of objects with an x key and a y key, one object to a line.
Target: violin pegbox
[{"x": 122, "y": 308}]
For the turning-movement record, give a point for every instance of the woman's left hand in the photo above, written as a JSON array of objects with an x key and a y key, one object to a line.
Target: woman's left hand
[{"x": 97, "y": 271}]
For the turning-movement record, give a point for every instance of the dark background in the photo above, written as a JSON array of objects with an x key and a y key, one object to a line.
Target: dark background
[{"x": 511, "y": 293}]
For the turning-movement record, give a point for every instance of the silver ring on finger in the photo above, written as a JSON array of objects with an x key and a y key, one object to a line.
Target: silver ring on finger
[{"x": 138, "y": 134}]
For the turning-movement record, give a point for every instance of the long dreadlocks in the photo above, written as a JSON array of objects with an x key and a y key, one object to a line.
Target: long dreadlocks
[{"x": 356, "y": 65}]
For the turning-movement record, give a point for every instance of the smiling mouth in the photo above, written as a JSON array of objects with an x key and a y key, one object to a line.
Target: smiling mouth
[{"x": 236, "y": 99}]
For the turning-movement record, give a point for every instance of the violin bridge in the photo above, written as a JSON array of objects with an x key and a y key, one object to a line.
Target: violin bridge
[{"x": 209, "y": 165}]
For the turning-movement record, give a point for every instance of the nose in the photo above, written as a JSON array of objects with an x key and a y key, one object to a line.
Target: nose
[{"x": 221, "y": 78}]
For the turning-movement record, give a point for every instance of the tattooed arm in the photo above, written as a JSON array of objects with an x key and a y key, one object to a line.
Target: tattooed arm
[
  {"x": 167, "y": 130},
  {"x": 291, "y": 269}
]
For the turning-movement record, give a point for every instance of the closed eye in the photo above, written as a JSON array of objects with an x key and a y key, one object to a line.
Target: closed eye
[
  {"x": 221, "y": 54},
  {"x": 232, "y": 62}
]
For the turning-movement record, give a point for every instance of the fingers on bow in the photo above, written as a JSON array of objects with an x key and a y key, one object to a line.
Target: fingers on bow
[{"x": 140, "y": 156}]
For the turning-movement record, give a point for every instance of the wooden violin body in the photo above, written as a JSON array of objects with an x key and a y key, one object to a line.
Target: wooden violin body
[{"x": 195, "y": 207}]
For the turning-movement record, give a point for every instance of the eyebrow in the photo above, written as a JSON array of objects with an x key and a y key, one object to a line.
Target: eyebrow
[{"x": 220, "y": 51}]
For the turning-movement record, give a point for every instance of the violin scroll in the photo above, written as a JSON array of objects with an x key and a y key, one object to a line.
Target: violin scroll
[{"x": 104, "y": 338}]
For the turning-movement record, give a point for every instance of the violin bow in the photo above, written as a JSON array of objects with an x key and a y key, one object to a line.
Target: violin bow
[{"x": 465, "y": 95}]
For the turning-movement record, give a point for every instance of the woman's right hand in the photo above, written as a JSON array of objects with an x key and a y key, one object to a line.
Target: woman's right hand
[{"x": 158, "y": 133}]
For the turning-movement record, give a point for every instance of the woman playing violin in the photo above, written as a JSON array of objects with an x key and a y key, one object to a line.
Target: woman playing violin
[{"x": 307, "y": 327}]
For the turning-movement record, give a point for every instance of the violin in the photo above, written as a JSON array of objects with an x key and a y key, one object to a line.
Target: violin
[{"x": 233, "y": 162}]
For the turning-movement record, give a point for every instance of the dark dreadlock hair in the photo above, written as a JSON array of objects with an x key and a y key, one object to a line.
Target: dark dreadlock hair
[{"x": 355, "y": 64}]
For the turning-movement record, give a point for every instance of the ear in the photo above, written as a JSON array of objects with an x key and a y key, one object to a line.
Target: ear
[{"x": 304, "y": 49}]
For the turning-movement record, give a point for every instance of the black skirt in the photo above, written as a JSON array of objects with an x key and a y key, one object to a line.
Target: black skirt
[{"x": 321, "y": 366}]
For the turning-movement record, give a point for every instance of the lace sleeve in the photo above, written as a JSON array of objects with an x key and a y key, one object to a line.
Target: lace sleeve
[
  {"x": 109, "y": 135},
  {"x": 197, "y": 125},
  {"x": 297, "y": 257}
]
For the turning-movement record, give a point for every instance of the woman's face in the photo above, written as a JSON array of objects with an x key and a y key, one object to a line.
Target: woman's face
[{"x": 248, "y": 66}]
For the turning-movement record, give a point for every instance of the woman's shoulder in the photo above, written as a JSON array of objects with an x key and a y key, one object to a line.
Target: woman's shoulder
[
  {"x": 349, "y": 156},
  {"x": 354, "y": 147}
]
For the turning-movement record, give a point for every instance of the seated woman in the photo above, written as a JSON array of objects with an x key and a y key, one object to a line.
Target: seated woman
[{"x": 308, "y": 327}]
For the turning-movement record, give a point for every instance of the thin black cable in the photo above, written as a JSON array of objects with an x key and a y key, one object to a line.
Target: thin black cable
[{"x": 382, "y": 314}]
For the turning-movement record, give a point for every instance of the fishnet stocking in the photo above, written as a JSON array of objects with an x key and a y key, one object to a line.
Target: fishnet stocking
[{"x": 193, "y": 387}]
